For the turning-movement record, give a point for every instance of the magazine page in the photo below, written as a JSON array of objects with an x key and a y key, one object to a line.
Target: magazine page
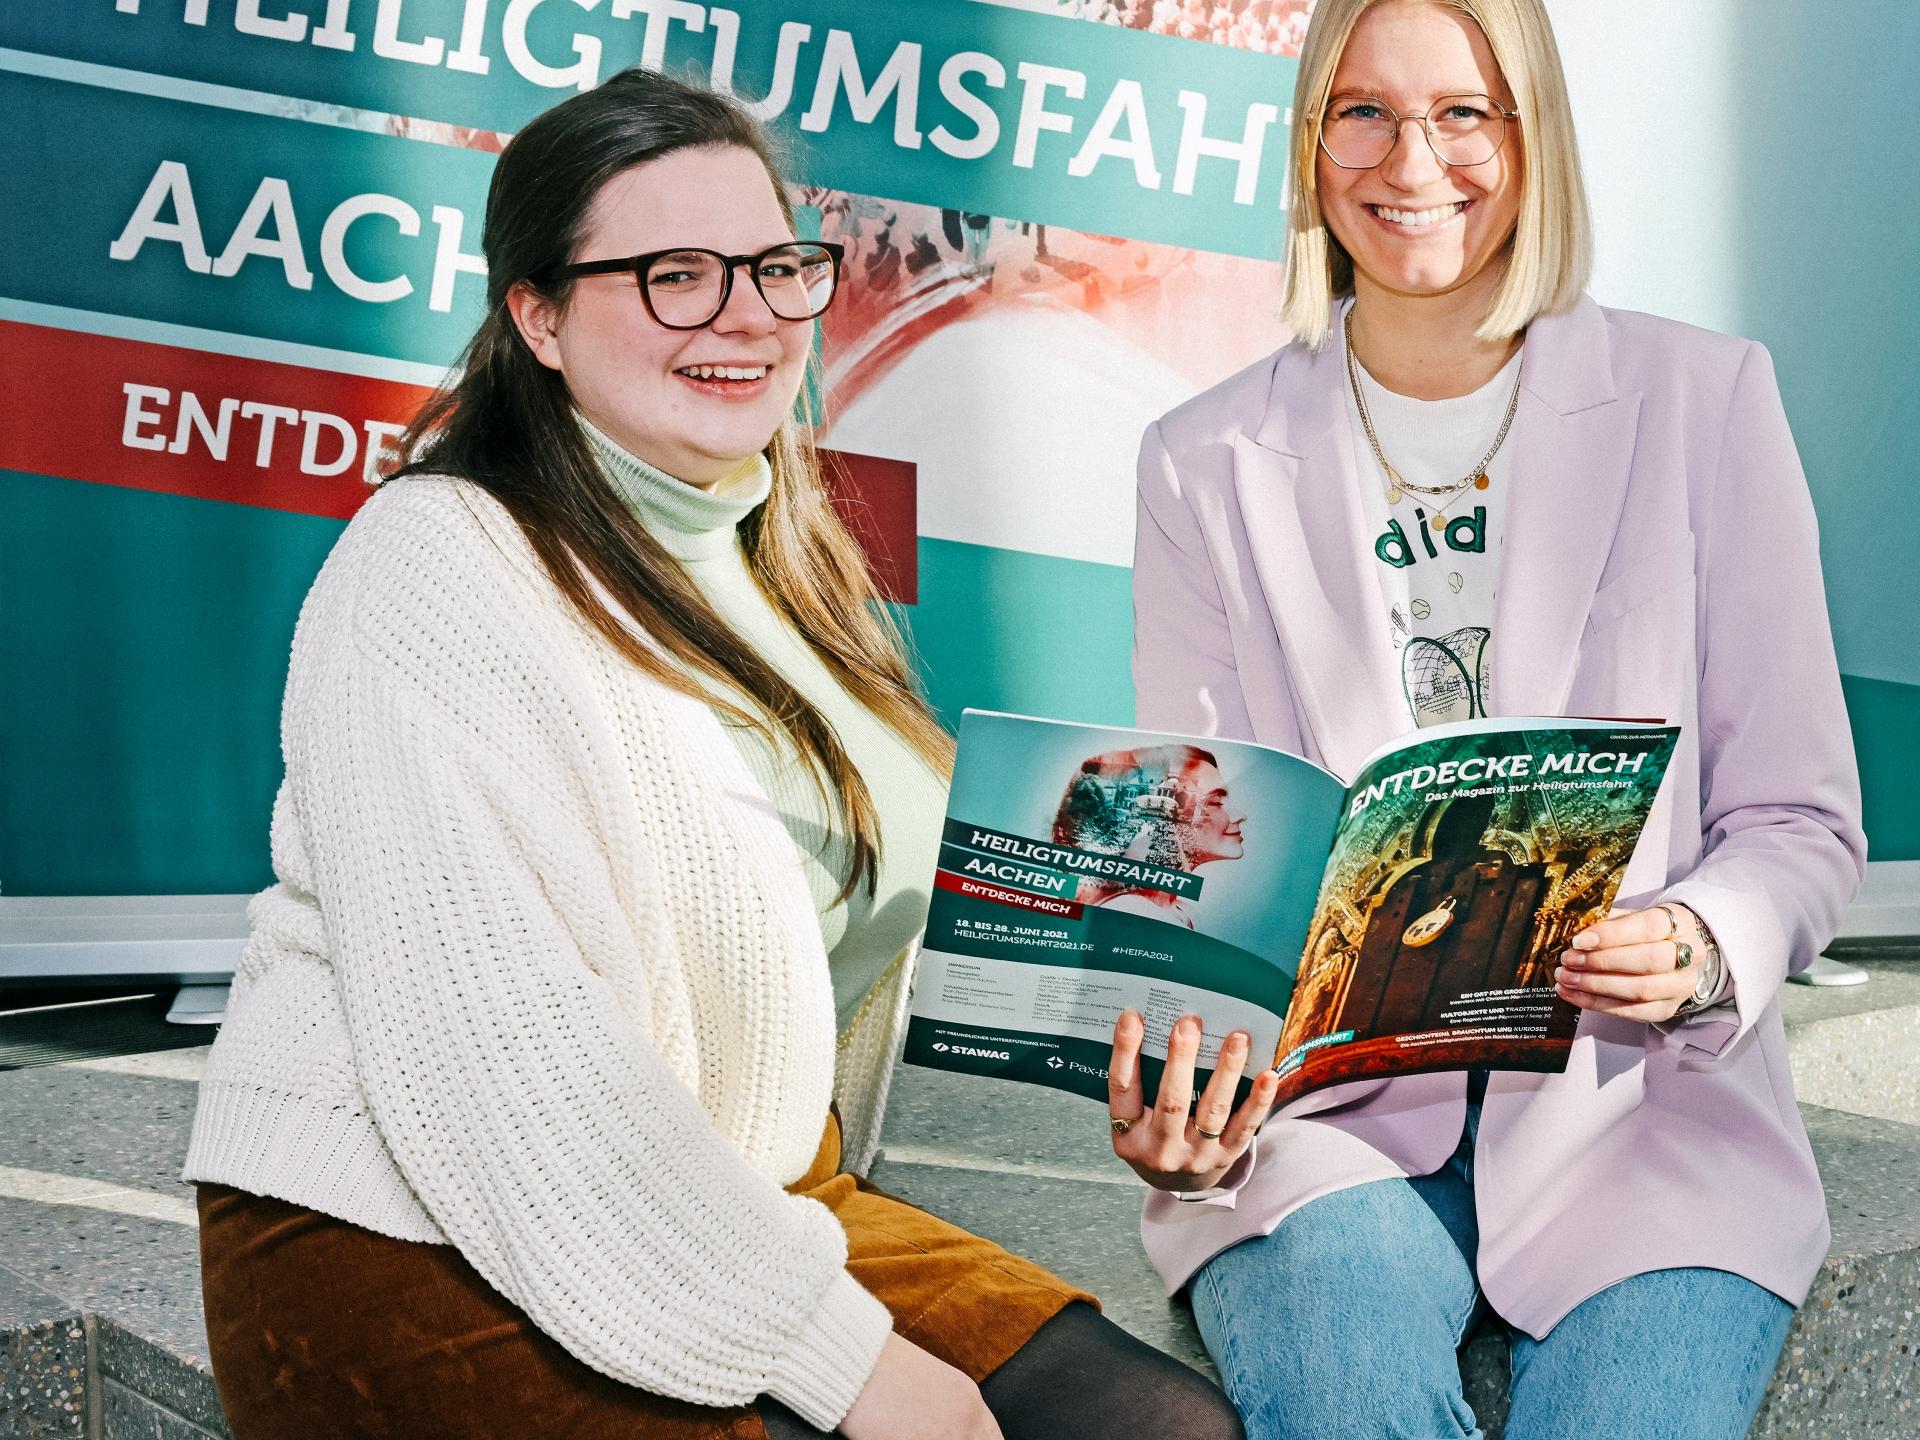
[
  {"x": 1088, "y": 870},
  {"x": 1465, "y": 859}
]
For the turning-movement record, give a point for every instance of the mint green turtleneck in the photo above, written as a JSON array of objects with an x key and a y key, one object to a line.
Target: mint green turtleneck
[{"x": 863, "y": 935}]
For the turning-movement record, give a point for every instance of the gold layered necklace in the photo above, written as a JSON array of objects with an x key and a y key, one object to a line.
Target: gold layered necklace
[{"x": 1474, "y": 479}]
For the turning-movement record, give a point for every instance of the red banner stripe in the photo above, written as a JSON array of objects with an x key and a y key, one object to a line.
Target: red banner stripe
[
  {"x": 286, "y": 437},
  {"x": 191, "y": 422},
  {"x": 876, "y": 500}
]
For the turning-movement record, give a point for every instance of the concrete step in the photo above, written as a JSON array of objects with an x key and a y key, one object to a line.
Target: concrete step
[
  {"x": 102, "y": 1335},
  {"x": 1857, "y": 1047}
]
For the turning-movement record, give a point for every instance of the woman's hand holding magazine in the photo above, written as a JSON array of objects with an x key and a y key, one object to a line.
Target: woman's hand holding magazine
[{"x": 1174, "y": 1144}]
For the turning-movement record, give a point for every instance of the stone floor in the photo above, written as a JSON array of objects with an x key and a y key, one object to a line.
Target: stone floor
[{"x": 101, "y": 1334}]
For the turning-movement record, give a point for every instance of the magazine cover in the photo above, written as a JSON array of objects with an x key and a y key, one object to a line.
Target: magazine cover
[
  {"x": 1407, "y": 922},
  {"x": 1085, "y": 871},
  {"x": 1464, "y": 861}
]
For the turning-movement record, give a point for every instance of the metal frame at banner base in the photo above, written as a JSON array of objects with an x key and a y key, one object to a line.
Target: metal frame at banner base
[
  {"x": 88, "y": 939},
  {"x": 1887, "y": 907},
  {"x": 197, "y": 939}
]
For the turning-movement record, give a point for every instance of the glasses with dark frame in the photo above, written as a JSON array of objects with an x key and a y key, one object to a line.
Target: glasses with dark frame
[
  {"x": 1359, "y": 131},
  {"x": 687, "y": 287}
]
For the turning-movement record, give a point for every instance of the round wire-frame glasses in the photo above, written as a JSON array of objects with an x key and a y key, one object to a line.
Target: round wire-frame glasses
[
  {"x": 686, "y": 287},
  {"x": 1358, "y": 132}
]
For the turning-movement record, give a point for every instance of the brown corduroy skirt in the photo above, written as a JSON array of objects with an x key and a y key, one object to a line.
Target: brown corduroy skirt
[{"x": 319, "y": 1328}]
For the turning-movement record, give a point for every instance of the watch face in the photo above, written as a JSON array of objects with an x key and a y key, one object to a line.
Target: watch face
[{"x": 1708, "y": 982}]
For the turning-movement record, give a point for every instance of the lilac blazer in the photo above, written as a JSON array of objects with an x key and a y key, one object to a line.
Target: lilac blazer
[{"x": 1660, "y": 560}]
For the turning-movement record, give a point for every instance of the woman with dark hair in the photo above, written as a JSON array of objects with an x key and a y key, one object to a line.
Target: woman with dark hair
[{"x": 561, "y": 1042}]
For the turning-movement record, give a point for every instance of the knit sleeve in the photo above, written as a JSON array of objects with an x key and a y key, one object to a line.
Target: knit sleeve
[{"x": 548, "y": 1140}]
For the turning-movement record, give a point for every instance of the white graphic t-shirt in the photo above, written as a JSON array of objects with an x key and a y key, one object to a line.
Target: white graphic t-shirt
[{"x": 1438, "y": 581}]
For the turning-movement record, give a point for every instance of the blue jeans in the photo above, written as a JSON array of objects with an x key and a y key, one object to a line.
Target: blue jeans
[{"x": 1344, "y": 1325}]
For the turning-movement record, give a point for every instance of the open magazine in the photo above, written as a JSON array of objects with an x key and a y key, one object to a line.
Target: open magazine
[{"x": 1409, "y": 921}]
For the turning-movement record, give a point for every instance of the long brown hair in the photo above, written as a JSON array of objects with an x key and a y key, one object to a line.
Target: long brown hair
[{"x": 507, "y": 424}]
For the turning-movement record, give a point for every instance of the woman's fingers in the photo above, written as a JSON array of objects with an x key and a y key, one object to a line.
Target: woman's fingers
[
  {"x": 1215, "y": 1109},
  {"x": 1655, "y": 957},
  {"x": 1124, "y": 1097},
  {"x": 1252, "y": 1114},
  {"x": 1633, "y": 988},
  {"x": 1626, "y": 965},
  {"x": 1650, "y": 1012},
  {"x": 1175, "y": 1100},
  {"x": 1625, "y": 927},
  {"x": 1178, "y": 1150},
  {"x": 1627, "y": 994}
]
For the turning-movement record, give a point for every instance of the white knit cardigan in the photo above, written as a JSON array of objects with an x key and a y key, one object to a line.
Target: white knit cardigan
[{"x": 542, "y": 978}]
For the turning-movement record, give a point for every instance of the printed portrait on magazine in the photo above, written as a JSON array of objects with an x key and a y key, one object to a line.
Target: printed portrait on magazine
[{"x": 1165, "y": 805}]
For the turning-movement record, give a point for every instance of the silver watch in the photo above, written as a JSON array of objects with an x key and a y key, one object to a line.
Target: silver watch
[{"x": 1712, "y": 971}]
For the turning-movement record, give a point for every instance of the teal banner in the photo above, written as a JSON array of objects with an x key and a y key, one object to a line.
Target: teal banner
[
  {"x": 250, "y": 224},
  {"x": 144, "y": 643},
  {"x": 983, "y": 108},
  {"x": 246, "y": 235}
]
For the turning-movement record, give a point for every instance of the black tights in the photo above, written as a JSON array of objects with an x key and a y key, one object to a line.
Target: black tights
[{"x": 1081, "y": 1377}]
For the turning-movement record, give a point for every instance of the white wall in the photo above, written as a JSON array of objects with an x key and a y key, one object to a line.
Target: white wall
[{"x": 1655, "y": 110}]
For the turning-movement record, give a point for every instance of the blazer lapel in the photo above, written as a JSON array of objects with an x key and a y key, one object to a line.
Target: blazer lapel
[
  {"x": 1572, "y": 455},
  {"x": 1296, "y": 481},
  {"x": 1307, "y": 535}
]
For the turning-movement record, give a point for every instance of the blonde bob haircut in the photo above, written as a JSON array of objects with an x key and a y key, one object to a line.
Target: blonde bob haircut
[{"x": 1551, "y": 252}]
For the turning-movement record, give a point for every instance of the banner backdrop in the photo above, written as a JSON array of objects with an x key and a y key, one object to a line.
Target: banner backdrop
[
  {"x": 244, "y": 246},
  {"x": 251, "y": 248}
]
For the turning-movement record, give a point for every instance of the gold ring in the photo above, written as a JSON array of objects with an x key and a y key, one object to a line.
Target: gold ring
[
  {"x": 1121, "y": 1127},
  {"x": 1210, "y": 1134},
  {"x": 1665, "y": 907}
]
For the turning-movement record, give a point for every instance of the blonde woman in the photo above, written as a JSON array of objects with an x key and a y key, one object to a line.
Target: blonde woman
[{"x": 1590, "y": 512}]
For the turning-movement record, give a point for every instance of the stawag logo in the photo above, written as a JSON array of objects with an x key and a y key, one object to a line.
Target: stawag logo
[{"x": 972, "y": 1050}]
